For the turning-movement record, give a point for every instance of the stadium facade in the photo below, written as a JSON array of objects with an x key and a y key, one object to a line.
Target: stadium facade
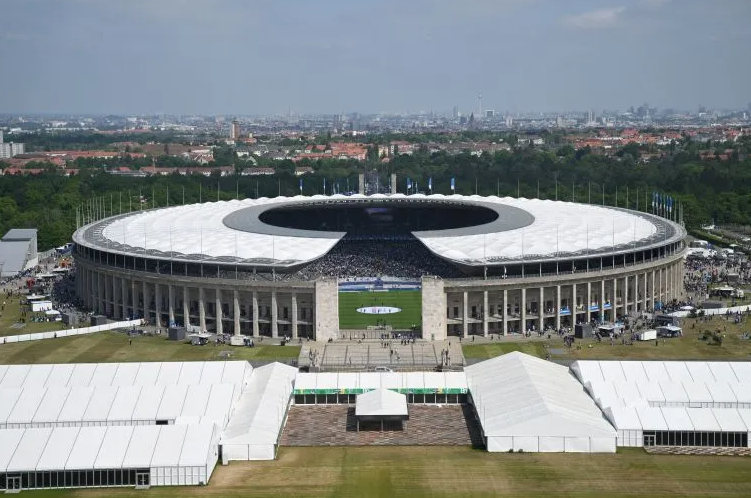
[{"x": 271, "y": 267}]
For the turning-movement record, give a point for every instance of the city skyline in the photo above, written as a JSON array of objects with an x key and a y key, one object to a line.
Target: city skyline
[{"x": 253, "y": 58}]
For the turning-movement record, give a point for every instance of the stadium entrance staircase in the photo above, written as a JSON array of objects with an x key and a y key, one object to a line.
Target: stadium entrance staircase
[{"x": 371, "y": 355}]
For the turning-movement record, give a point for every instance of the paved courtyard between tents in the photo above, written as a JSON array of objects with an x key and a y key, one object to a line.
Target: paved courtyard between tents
[{"x": 335, "y": 425}]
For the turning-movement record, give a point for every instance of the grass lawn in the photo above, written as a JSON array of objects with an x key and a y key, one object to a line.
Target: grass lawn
[
  {"x": 417, "y": 472},
  {"x": 410, "y": 302},
  {"x": 688, "y": 347},
  {"x": 114, "y": 347},
  {"x": 12, "y": 314}
]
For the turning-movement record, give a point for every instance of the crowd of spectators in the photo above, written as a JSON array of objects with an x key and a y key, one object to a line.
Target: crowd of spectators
[{"x": 405, "y": 258}]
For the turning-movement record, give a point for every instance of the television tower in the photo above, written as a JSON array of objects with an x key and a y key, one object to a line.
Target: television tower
[{"x": 479, "y": 105}]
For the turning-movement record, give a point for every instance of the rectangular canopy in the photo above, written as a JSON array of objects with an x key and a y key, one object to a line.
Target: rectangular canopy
[
  {"x": 381, "y": 403},
  {"x": 86, "y": 448},
  {"x": 114, "y": 446},
  {"x": 29, "y": 449},
  {"x": 58, "y": 448}
]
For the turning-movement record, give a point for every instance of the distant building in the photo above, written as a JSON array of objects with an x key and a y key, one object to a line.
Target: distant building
[
  {"x": 11, "y": 149},
  {"x": 234, "y": 130},
  {"x": 489, "y": 113},
  {"x": 509, "y": 122},
  {"x": 18, "y": 251}
]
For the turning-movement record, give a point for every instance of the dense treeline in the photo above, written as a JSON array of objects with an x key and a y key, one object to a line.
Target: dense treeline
[{"x": 710, "y": 189}]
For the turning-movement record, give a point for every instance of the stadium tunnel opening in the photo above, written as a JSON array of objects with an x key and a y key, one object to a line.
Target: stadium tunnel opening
[{"x": 369, "y": 220}]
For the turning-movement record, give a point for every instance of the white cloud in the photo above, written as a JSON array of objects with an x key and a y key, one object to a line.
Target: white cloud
[{"x": 594, "y": 19}]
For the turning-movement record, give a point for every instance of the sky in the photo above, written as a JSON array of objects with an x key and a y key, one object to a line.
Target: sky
[{"x": 250, "y": 57}]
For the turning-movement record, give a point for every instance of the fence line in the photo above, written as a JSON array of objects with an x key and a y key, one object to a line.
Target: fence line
[{"x": 70, "y": 332}]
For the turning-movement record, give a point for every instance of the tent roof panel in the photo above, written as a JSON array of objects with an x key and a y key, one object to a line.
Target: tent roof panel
[
  {"x": 677, "y": 419},
  {"x": 52, "y": 404},
  {"x": 172, "y": 402},
  {"x": 745, "y": 415},
  {"x": 26, "y": 405},
  {"x": 673, "y": 391},
  {"x": 196, "y": 400},
  {"x": 9, "y": 439},
  {"x": 721, "y": 392},
  {"x": 634, "y": 371},
  {"x": 677, "y": 371},
  {"x": 29, "y": 449},
  {"x": 624, "y": 418},
  {"x": 100, "y": 404},
  {"x": 742, "y": 370},
  {"x": 58, "y": 448},
  {"x": 15, "y": 375},
  {"x": 104, "y": 375},
  {"x": 730, "y": 420},
  {"x": 3, "y": 370},
  {"x": 76, "y": 404},
  {"x": 169, "y": 374},
  {"x": 114, "y": 446},
  {"x": 236, "y": 372},
  {"x": 82, "y": 374},
  {"x": 703, "y": 419},
  {"x": 212, "y": 372},
  {"x": 147, "y": 406},
  {"x": 8, "y": 398},
  {"x": 168, "y": 446},
  {"x": 381, "y": 402},
  {"x": 655, "y": 370},
  {"x": 190, "y": 374},
  {"x": 697, "y": 392},
  {"x": 141, "y": 448},
  {"x": 742, "y": 390},
  {"x": 722, "y": 371},
  {"x": 37, "y": 376},
  {"x": 148, "y": 373},
  {"x": 60, "y": 375},
  {"x": 326, "y": 380},
  {"x": 455, "y": 380},
  {"x": 124, "y": 403},
  {"x": 126, "y": 374},
  {"x": 612, "y": 371},
  {"x": 434, "y": 380},
  {"x": 587, "y": 371},
  {"x": 196, "y": 445},
  {"x": 86, "y": 448},
  {"x": 700, "y": 371},
  {"x": 219, "y": 404},
  {"x": 652, "y": 419}
]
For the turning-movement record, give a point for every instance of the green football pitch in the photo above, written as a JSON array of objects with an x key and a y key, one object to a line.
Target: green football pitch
[{"x": 409, "y": 302}]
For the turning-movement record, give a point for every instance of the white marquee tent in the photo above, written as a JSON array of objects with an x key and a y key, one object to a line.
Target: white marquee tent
[
  {"x": 526, "y": 403},
  {"x": 675, "y": 398},
  {"x": 255, "y": 428}
]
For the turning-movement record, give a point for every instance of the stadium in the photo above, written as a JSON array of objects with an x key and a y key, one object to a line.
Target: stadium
[{"x": 328, "y": 267}]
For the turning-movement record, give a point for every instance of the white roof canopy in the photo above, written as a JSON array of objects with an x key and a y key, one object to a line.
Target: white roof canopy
[{"x": 381, "y": 403}]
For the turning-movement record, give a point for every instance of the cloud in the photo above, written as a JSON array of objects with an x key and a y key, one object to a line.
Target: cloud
[{"x": 595, "y": 19}]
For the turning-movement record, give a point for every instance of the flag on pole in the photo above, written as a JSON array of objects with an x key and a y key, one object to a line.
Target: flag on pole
[
  {"x": 409, "y": 184},
  {"x": 324, "y": 185},
  {"x": 300, "y": 185},
  {"x": 453, "y": 184},
  {"x": 430, "y": 183},
  {"x": 654, "y": 201}
]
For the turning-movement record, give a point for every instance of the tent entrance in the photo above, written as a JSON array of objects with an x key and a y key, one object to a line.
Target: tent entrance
[
  {"x": 12, "y": 483},
  {"x": 649, "y": 439},
  {"x": 142, "y": 480}
]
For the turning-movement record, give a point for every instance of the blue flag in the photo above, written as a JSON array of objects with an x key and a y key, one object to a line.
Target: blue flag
[
  {"x": 409, "y": 184},
  {"x": 430, "y": 183},
  {"x": 453, "y": 184},
  {"x": 301, "y": 185},
  {"x": 324, "y": 186}
]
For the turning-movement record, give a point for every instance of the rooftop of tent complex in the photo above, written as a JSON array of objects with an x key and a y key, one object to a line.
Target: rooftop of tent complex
[
  {"x": 125, "y": 424},
  {"x": 116, "y": 424}
]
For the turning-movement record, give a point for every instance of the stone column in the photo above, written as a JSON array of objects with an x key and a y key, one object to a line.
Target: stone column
[
  {"x": 158, "y": 304},
  {"x": 218, "y": 310},
  {"x": 171, "y": 304},
  {"x": 557, "y": 308},
  {"x": 627, "y": 295},
  {"x": 653, "y": 294},
  {"x": 202, "y": 309},
  {"x": 255, "y": 314},
  {"x": 485, "y": 313},
  {"x": 659, "y": 286},
  {"x": 107, "y": 297},
  {"x": 294, "y": 316},
  {"x": 524, "y": 311},
  {"x": 573, "y": 306},
  {"x": 636, "y": 293},
  {"x": 133, "y": 298},
  {"x": 236, "y": 303},
  {"x": 541, "y": 310},
  {"x": 505, "y": 312},
  {"x": 186, "y": 306},
  {"x": 602, "y": 302},
  {"x": 274, "y": 316},
  {"x": 465, "y": 312},
  {"x": 146, "y": 301},
  {"x": 645, "y": 303},
  {"x": 614, "y": 298},
  {"x": 124, "y": 297},
  {"x": 589, "y": 302},
  {"x": 115, "y": 301}
]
